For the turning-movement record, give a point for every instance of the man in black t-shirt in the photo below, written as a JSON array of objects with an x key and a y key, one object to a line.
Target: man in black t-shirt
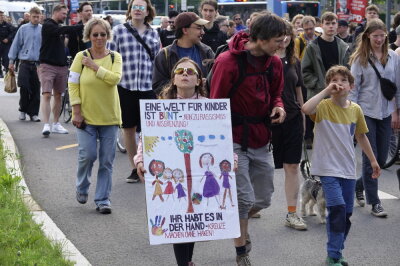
[{"x": 167, "y": 36}]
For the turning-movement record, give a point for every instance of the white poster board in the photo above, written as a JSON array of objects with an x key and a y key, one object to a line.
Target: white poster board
[{"x": 190, "y": 183}]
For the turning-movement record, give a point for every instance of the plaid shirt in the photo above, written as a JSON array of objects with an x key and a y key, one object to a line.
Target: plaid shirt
[{"x": 137, "y": 68}]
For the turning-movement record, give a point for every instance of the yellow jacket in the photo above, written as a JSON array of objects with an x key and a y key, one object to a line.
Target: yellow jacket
[{"x": 300, "y": 45}]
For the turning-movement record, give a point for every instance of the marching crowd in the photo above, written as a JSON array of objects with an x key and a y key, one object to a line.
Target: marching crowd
[{"x": 275, "y": 73}]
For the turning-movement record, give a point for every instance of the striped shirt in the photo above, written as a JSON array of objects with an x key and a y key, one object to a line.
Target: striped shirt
[{"x": 137, "y": 67}]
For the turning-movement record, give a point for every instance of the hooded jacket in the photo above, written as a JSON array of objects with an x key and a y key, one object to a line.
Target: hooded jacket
[
  {"x": 255, "y": 97},
  {"x": 214, "y": 37}
]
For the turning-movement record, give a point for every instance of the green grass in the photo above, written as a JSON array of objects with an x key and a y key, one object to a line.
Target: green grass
[{"x": 21, "y": 240}]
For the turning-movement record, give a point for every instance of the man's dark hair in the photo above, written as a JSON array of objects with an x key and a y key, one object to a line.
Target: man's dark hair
[
  {"x": 59, "y": 7},
  {"x": 179, "y": 33},
  {"x": 173, "y": 13},
  {"x": 212, "y": 3},
  {"x": 81, "y": 6},
  {"x": 265, "y": 27}
]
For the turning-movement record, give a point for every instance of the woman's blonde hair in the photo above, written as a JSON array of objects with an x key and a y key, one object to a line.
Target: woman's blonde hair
[
  {"x": 87, "y": 30},
  {"x": 363, "y": 49},
  {"x": 171, "y": 91},
  {"x": 295, "y": 18},
  {"x": 150, "y": 9}
]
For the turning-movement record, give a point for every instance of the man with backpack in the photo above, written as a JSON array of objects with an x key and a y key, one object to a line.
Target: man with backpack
[
  {"x": 304, "y": 38},
  {"x": 251, "y": 76}
]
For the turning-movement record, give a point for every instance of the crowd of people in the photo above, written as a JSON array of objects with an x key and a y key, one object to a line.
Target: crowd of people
[{"x": 275, "y": 72}]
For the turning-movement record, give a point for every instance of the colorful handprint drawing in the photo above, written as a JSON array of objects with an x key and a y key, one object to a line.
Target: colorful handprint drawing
[{"x": 156, "y": 226}]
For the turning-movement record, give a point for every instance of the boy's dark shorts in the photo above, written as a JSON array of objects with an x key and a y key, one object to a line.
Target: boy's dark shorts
[
  {"x": 287, "y": 140},
  {"x": 130, "y": 107}
]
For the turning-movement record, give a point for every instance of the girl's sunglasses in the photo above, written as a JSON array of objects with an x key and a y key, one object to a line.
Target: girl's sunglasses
[
  {"x": 101, "y": 34},
  {"x": 141, "y": 8},
  {"x": 190, "y": 71}
]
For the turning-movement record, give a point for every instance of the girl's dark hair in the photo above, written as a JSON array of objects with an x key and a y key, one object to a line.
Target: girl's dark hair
[
  {"x": 149, "y": 18},
  {"x": 170, "y": 91},
  {"x": 290, "y": 55}
]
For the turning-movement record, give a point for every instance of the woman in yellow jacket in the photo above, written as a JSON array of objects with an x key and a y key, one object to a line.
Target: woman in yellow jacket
[{"x": 92, "y": 83}]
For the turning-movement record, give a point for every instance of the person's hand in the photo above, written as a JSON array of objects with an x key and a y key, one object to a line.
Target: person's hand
[
  {"x": 235, "y": 166},
  {"x": 376, "y": 170},
  {"x": 77, "y": 120},
  {"x": 278, "y": 115},
  {"x": 11, "y": 67},
  {"x": 333, "y": 88},
  {"x": 140, "y": 171},
  {"x": 395, "y": 120},
  {"x": 88, "y": 62}
]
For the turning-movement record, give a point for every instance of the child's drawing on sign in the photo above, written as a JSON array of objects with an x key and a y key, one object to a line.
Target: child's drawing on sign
[
  {"x": 156, "y": 226},
  {"x": 169, "y": 189},
  {"x": 226, "y": 167},
  {"x": 184, "y": 143},
  {"x": 177, "y": 174},
  {"x": 150, "y": 143},
  {"x": 211, "y": 186},
  {"x": 156, "y": 169}
]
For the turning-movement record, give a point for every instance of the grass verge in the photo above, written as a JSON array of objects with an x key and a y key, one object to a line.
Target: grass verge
[{"x": 22, "y": 241}]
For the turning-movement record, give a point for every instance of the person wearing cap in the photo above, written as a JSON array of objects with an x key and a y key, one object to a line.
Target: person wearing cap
[
  {"x": 343, "y": 31},
  {"x": 137, "y": 65},
  {"x": 189, "y": 30}
]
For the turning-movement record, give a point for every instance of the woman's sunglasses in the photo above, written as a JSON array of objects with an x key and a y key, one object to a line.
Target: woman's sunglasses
[
  {"x": 190, "y": 71},
  {"x": 97, "y": 34},
  {"x": 141, "y": 8}
]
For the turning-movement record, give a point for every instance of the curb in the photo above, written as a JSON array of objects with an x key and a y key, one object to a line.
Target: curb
[{"x": 49, "y": 228}]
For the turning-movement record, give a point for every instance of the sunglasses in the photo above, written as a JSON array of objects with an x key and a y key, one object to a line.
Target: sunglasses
[
  {"x": 141, "y": 8},
  {"x": 101, "y": 34},
  {"x": 171, "y": 22},
  {"x": 190, "y": 71}
]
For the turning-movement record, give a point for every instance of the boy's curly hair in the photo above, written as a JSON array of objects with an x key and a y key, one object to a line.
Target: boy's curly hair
[{"x": 339, "y": 70}]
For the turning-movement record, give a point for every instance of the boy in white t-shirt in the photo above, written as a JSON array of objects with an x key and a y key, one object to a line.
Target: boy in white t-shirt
[{"x": 337, "y": 121}]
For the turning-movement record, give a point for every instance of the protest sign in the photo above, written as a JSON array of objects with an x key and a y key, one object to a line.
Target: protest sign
[
  {"x": 351, "y": 10},
  {"x": 190, "y": 183}
]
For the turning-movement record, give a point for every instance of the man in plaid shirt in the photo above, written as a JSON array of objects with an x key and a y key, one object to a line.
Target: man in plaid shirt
[{"x": 137, "y": 67}]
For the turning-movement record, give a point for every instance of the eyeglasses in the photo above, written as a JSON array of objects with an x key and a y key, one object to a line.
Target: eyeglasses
[
  {"x": 101, "y": 34},
  {"x": 190, "y": 71},
  {"x": 171, "y": 22},
  {"x": 137, "y": 7}
]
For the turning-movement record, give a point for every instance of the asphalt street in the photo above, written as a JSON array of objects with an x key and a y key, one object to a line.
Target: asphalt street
[{"x": 121, "y": 238}]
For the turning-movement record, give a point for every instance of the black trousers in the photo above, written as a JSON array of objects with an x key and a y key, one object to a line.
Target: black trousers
[
  {"x": 29, "y": 84},
  {"x": 183, "y": 253},
  {"x": 4, "y": 48}
]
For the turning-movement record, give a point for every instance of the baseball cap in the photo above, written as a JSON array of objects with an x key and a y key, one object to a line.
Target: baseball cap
[
  {"x": 187, "y": 18},
  {"x": 343, "y": 22}
]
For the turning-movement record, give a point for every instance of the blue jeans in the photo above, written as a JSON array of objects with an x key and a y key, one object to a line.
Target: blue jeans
[
  {"x": 379, "y": 138},
  {"x": 339, "y": 196},
  {"x": 87, "y": 140}
]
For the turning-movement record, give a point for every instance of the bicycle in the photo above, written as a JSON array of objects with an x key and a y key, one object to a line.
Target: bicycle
[
  {"x": 394, "y": 149},
  {"x": 120, "y": 141},
  {"x": 66, "y": 108}
]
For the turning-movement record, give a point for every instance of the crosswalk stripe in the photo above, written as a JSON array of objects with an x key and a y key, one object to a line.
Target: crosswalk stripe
[{"x": 384, "y": 195}]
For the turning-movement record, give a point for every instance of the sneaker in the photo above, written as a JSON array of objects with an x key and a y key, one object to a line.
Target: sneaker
[
  {"x": 360, "y": 198},
  {"x": 243, "y": 260},
  {"x": 378, "y": 211},
  {"x": 35, "y": 118},
  {"x": 343, "y": 261},
  {"x": 333, "y": 262},
  {"x": 104, "y": 209},
  {"x": 294, "y": 221},
  {"x": 81, "y": 198},
  {"x": 46, "y": 130},
  {"x": 22, "y": 116},
  {"x": 256, "y": 215},
  {"x": 133, "y": 178},
  {"x": 58, "y": 128},
  {"x": 248, "y": 243}
]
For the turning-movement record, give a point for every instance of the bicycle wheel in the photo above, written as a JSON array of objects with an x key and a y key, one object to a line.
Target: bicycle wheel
[
  {"x": 66, "y": 108},
  {"x": 394, "y": 146},
  {"x": 120, "y": 141}
]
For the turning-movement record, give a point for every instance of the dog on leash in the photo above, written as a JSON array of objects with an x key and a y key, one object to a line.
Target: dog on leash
[{"x": 311, "y": 194}]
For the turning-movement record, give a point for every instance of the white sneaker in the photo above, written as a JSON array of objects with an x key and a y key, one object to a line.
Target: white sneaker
[
  {"x": 46, "y": 130},
  {"x": 22, "y": 116},
  {"x": 58, "y": 128},
  {"x": 292, "y": 220}
]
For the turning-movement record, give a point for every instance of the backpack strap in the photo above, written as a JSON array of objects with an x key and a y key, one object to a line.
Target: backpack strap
[
  {"x": 140, "y": 40},
  {"x": 302, "y": 46},
  {"x": 111, "y": 54}
]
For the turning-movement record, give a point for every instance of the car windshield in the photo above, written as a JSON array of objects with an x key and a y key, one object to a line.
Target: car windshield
[{"x": 15, "y": 16}]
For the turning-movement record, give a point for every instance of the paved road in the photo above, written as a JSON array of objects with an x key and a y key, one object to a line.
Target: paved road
[{"x": 121, "y": 238}]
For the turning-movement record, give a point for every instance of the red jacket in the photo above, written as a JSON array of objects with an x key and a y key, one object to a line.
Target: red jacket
[{"x": 248, "y": 100}]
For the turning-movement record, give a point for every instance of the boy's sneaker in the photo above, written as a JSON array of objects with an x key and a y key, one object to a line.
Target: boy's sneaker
[
  {"x": 104, "y": 209},
  {"x": 22, "y": 116},
  {"x": 35, "y": 118},
  {"x": 294, "y": 221},
  {"x": 343, "y": 261},
  {"x": 46, "y": 130},
  {"x": 333, "y": 262},
  {"x": 378, "y": 211},
  {"x": 81, "y": 198},
  {"x": 133, "y": 178},
  {"x": 243, "y": 260},
  {"x": 58, "y": 128},
  {"x": 360, "y": 198}
]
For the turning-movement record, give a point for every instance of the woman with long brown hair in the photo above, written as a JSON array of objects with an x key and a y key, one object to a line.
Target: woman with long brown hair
[{"x": 381, "y": 113}]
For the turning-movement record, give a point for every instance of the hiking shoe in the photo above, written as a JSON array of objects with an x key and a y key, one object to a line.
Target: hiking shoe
[
  {"x": 58, "y": 128},
  {"x": 294, "y": 221},
  {"x": 81, "y": 198},
  {"x": 378, "y": 211},
  {"x": 243, "y": 260},
  {"x": 35, "y": 118},
  {"x": 398, "y": 176},
  {"x": 133, "y": 178},
  {"x": 104, "y": 209},
  {"x": 333, "y": 262},
  {"x": 248, "y": 243},
  {"x": 360, "y": 198},
  {"x": 46, "y": 130},
  {"x": 22, "y": 116},
  {"x": 343, "y": 261}
]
